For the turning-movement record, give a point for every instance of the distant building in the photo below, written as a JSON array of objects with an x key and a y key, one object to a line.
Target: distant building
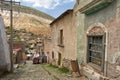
[
  {"x": 4, "y": 49},
  {"x": 47, "y": 46},
  {"x": 19, "y": 55}
]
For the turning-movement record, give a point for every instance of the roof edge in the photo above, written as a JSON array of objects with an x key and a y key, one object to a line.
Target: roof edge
[{"x": 63, "y": 14}]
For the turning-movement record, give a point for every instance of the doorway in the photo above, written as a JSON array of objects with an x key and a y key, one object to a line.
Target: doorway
[{"x": 59, "y": 58}]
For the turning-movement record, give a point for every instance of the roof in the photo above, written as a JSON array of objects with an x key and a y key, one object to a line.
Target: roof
[{"x": 62, "y": 15}]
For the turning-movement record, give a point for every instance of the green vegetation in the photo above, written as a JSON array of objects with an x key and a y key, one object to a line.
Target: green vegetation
[
  {"x": 49, "y": 72},
  {"x": 55, "y": 71},
  {"x": 26, "y": 52},
  {"x": 17, "y": 40},
  {"x": 27, "y": 45},
  {"x": 53, "y": 66},
  {"x": 61, "y": 70}
]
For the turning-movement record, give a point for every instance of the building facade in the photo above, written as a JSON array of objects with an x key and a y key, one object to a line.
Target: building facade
[
  {"x": 48, "y": 48},
  {"x": 19, "y": 55},
  {"x": 63, "y": 40},
  {"x": 4, "y": 49},
  {"x": 98, "y": 39}
]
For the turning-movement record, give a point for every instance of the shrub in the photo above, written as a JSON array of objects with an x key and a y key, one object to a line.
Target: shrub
[
  {"x": 64, "y": 70},
  {"x": 53, "y": 66}
]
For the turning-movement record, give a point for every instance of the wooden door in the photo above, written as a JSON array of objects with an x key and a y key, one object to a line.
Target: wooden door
[{"x": 59, "y": 58}]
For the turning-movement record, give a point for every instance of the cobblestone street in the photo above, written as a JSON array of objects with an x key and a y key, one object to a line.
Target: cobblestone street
[
  {"x": 28, "y": 72},
  {"x": 38, "y": 72}
]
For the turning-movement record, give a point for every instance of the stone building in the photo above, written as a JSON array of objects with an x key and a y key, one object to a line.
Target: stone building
[
  {"x": 4, "y": 49},
  {"x": 63, "y": 40},
  {"x": 19, "y": 55},
  {"x": 47, "y": 46},
  {"x": 98, "y": 38}
]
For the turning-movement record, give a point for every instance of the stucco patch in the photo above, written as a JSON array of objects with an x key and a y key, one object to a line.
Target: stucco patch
[{"x": 115, "y": 59}]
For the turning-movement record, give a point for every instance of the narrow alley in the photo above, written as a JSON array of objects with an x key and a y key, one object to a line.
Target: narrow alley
[
  {"x": 28, "y": 72},
  {"x": 31, "y": 71},
  {"x": 59, "y": 39}
]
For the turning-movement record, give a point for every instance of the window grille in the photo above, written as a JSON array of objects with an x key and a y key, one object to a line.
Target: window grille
[{"x": 96, "y": 50}]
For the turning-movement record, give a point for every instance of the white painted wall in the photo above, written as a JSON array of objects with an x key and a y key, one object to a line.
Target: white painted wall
[{"x": 4, "y": 47}]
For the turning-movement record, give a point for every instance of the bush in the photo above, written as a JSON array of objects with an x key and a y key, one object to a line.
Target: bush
[
  {"x": 64, "y": 70},
  {"x": 53, "y": 66},
  {"x": 61, "y": 70}
]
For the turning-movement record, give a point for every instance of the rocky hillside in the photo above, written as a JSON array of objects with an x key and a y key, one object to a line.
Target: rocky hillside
[{"x": 29, "y": 19}]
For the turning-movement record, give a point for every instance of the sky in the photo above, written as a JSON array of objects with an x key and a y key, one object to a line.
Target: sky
[{"x": 52, "y": 7}]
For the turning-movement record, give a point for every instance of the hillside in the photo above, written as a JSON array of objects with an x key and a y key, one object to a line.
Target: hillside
[
  {"x": 29, "y": 19},
  {"x": 32, "y": 11}
]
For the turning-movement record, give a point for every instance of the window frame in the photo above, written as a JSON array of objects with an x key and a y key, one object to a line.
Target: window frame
[
  {"x": 61, "y": 38},
  {"x": 53, "y": 55},
  {"x": 98, "y": 67}
]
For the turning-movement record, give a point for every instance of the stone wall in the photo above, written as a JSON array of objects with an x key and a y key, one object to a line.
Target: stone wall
[
  {"x": 109, "y": 18},
  {"x": 67, "y": 63},
  {"x": 48, "y": 49}
]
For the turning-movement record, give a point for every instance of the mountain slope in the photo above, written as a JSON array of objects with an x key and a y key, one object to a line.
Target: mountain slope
[
  {"x": 30, "y": 19},
  {"x": 32, "y": 11}
]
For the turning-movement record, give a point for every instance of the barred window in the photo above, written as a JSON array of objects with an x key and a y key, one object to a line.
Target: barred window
[{"x": 96, "y": 50}]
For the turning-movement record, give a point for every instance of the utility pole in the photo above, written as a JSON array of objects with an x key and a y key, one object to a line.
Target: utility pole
[
  {"x": 10, "y": 4},
  {"x": 11, "y": 36}
]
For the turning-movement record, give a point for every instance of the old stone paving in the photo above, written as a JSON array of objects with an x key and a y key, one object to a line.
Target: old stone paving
[
  {"x": 28, "y": 72},
  {"x": 38, "y": 72}
]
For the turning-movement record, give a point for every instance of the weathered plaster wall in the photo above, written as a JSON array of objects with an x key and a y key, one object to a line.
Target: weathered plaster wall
[
  {"x": 54, "y": 43},
  {"x": 48, "y": 49},
  {"x": 107, "y": 17},
  {"x": 110, "y": 18},
  {"x": 4, "y": 47},
  {"x": 84, "y": 2},
  {"x": 101, "y": 16},
  {"x": 68, "y": 52},
  {"x": 80, "y": 38},
  {"x": 79, "y": 23}
]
